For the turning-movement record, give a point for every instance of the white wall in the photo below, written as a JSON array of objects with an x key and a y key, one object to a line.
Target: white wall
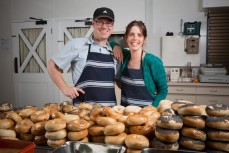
[{"x": 161, "y": 16}]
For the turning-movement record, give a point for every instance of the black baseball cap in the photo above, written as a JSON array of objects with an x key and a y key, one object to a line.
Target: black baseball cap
[{"x": 103, "y": 12}]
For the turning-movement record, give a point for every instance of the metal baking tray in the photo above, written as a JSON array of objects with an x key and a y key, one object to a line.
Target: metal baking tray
[
  {"x": 88, "y": 147},
  {"x": 153, "y": 150}
]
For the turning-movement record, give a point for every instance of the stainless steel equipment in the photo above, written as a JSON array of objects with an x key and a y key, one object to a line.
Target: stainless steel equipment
[
  {"x": 81, "y": 147},
  {"x": 213, "y": 73}
]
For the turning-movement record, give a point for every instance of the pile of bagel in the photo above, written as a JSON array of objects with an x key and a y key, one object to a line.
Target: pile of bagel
[
  {"x": 172, "y": 126},
  {"x": 201, "y": 128},
  {"x": 54, "y": 124}
]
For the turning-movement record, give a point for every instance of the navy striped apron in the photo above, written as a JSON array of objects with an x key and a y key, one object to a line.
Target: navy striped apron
[
  {"x": 97, "y": 80},
  {"x": 134, "y": 91}
]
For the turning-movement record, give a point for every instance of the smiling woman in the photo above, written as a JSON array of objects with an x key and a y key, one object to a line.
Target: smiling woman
[{"x": 142, "y": 73}]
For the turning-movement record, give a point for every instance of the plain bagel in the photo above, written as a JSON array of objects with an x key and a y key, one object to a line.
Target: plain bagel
[
  {"x": 136, "y": 141},
  {"x": 166, "y": 134},
  {"x": 194, "y": 121},
  {"x": 193, "y": 133},
  {"x": 191, "y": 143},
  {"x": 218, "y": 135}
]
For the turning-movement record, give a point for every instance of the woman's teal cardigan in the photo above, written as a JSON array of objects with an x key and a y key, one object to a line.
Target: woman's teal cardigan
[{"x": 153, "y": 74}]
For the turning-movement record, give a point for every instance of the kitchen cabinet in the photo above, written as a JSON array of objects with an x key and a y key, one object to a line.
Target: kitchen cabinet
[{"x": 199, "y": 93}]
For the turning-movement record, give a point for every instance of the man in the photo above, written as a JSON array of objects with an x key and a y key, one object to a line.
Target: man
[{"x": 92, "y": 63}]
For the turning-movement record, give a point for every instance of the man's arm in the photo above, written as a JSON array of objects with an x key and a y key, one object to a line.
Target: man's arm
[{"x": 56, "y": 76}]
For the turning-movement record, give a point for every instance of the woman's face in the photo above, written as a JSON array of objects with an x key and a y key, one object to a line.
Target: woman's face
[{"x": 135, "y": 39}]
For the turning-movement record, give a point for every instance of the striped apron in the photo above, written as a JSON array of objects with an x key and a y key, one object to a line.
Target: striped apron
[
  {"x": 134, "y": 91},
  {"x": 97, "y": 80}
]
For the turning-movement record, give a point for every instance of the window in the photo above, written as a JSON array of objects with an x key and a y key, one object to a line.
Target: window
[{"x": 218, "y": 36}]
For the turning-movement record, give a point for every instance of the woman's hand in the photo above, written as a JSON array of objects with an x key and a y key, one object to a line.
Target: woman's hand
[{"x": 73, "y": 92}]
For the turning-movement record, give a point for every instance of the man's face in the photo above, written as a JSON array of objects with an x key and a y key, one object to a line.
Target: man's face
[{"x": 103, "y": 27}]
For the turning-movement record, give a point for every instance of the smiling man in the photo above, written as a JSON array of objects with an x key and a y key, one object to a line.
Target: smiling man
[{"x": 92, "y": 63}]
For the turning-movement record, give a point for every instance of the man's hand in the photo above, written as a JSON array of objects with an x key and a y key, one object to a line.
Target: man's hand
[
  {"x": 118, "y": 53},
  {"x": 72, "y": 92}
]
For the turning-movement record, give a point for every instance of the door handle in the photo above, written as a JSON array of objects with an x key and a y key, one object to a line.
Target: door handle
[{"x": 15, "y": 65}]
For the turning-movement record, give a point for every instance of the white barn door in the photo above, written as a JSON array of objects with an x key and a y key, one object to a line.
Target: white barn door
[
  {"x": 64, "y": 30},
  {"x": 31, "y": 46}
]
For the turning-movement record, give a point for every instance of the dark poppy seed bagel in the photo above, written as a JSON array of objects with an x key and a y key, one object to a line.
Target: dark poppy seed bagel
[
  {"x": 191, "y": 143},
  {"x": 194, "y": 121},
  {"x": 156, "y": 143},
  {"x": 218, "y": 145},
  {"x": 176, "y": 104},
  {"x": 190, "y": 109},
  {"x": 219, "y": 135},
  {"x": 166, "y": 134},
  {"x": 193, "y": 133},
  {"x": 170, "y": 122},
  {"x": 217, "y": 110},
  {"x": 168, "y": 111},
  {"x": 221, "y": 123}
]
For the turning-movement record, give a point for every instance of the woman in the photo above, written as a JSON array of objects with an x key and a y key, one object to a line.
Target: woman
[{"x": 143, "y": 79}]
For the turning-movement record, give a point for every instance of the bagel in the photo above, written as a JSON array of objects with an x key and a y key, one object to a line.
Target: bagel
[
  {"x": 84, "y": 139},
  {"x": 116, "y": 140},
  {"x": 219, "y": 145},
  {"x": 166, "y": 135},
  {"x": 96, "y": 112},
  {"x": 69, "y": 117},
  {"x": 68, "y": 108},
  {"x": 190, "y": 109},
  {"x": 221, "y": 123},
  {"x": 164, "y": 104},
  {"x": 9, "y": 138},
  {"x": 103, "y": 121},
  {"x": 191, "y": 143},
  {"x": 77, "y": 125},
  {"x": 64, "y": 103},
  {"x": 6, "y": 123},
  {"x": 176, "y": 104},
  {"x": 130, "y": 150},
  {"x": 14, "y": 116},
  {"x": 75, "y": 136},
  {"x": 142, "y": 129},
  {"x": 24, "y": 126},
  {"x": 55, "y": 125},
  {"x": 156, "y": 143},
  {"x": 218, "y": 135},
  {"x": 109, "y": 112},
  {"x": 119, "y": 109},
  {"x": 27, "y": 111},
  {"x": 217, "y": 110},
  {"x": 56, "y": 114},
  {"x": 170, "y": 122},
  {"x": 39, "y": 116},
  {"x": 98, "y": 139},
  {"x": 194, "y": 121},
  {"x": 136, "y": 141},
  {"x": 168, "y": 111},
  {"x": 193, "y": 133},
  {"x": 136, "y": 119},
  {"x": 56, "y": 143},
  {"x": 85, "y": 106},
  {"x": 41, "y": 139},
  {"x": 38, "y": 128},
  {"x": 26, "y": 136},
  {"x": 60, "y": 134},
  {"x": 4, "y": 107},
  {"x": 7, "y": 133},
  {"x": 114, "y": 129},
  {"x": 96, "y": 130},
  {"x": 132, "y": 110},
  {"x": 49, "y": 107},
  {"x": 148, "y": 110}
]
